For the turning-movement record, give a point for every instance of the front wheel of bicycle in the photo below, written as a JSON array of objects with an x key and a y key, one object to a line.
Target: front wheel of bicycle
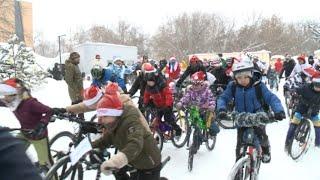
[
  {"x": 241, "y": 169},
  {"x": 60, "y": 144},
  {"x": 303, "y": 138},
  {"x": 64, "y": 170},
  {"x": 183, "y": 123},
  {"x": 211, "y": 141}
]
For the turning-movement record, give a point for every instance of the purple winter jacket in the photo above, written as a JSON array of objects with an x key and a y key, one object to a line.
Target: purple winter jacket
[
  {"x": 30, "y": 112},
  {"x": 199, "y": 98}
]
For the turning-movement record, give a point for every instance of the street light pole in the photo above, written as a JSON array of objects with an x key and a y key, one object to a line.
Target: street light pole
[{"x": 59, "y": 39}]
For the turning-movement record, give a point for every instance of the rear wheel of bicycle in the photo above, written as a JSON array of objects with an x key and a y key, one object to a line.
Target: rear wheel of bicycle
[
  {"x": 183, "y": 123},
  {"x": 241, "y": 169},
  {"x": 211, "y": 141},
  {"x": 64, "y": 170},
  {"x": 60, "y": 144},
  {"x": 301, "y": 141}
]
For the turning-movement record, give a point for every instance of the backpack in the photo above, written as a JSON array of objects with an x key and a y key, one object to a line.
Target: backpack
[{"x": 259, "y": 95}]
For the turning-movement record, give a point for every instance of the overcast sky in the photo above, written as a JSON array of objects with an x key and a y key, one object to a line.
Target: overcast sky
[{"x": 54, "y": 17}]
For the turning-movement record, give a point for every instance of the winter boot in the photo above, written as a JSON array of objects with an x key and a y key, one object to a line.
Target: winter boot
[
  {"x": 266, "y": 154},
  {"x": 214, "y": 129},
  {"x": 317, "y": 140}
]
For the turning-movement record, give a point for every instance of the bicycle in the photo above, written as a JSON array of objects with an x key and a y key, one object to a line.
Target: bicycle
[
  {"x": 248, "y": 165},
  {"x": 63, "y": 167},
  {"x": 200, "y": 133},
  {"x": 163, "y": 131},
  {"x": 304, "y": 136}
]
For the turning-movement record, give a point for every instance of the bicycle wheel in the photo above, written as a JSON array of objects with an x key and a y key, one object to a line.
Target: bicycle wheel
[
  {"x": 211, "y": 140},
  {"x": 60, "y": 144},
  {"x": 159, "y": 139},
  {"x": 183, "y": 123},
  {"x": 303, "y": 138},
  {"x": 241, "y": 169},
  {"x": 195, "y": 144},
  {"x": 64, "y": 170}
]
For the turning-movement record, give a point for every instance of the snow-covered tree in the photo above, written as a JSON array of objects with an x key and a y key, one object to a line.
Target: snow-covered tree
[
  {"x": 315, "y": 29},
  {"x": 17, "y": 60}
]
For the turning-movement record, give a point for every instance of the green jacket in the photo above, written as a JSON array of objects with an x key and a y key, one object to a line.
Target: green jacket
[
  {"x": 74, "y": 81},
  {"x": 131, "y": 138}
]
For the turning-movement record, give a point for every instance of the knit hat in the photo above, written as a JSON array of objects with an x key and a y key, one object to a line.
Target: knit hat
[
  {"x": 110, "y": 104},
  {"x": 9, "y": 87},
  {"x": 98, "y": 56},
  {"x": 92, "y": 95}
]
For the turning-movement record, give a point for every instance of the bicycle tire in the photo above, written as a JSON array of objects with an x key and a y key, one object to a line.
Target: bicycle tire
[
  {"x": 238, "y": 167},
  {"x": 55, "y": 138},
  {"x": 308, "y": 140},
  {"x": 194, "y": 147},
  {"x": 211, "y": 141},
  {"x": 157, "y": 135},
  {"x": 183, "y": 122},
  {"x": 62, "y": 162}
]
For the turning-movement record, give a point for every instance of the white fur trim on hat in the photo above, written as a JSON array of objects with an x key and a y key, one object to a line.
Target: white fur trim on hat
[
  {"x": 7, "y": 90},
  {"x": 109, "y": 112},
  {"x": 317, "y": 79},
  {"x": 94, "y": 100}
]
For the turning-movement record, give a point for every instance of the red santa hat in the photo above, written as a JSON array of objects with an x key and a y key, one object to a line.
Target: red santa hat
[
  {"x": 92, "y": 95},
  {"x": 316, "y": 78},
  {"x": 9, "y": 87},
  {"x": 110, "y": 104}
]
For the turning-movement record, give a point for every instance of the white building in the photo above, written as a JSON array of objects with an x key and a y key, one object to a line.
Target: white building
[{"x": 108, "y": 52}]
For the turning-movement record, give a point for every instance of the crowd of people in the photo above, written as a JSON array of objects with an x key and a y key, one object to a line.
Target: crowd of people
[{"x": 216, "y": 86}]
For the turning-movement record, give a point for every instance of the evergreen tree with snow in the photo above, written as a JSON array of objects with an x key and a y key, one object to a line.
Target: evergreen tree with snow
[{"x": 17, "y": 60}]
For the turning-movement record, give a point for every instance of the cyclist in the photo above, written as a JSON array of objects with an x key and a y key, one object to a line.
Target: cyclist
[
  {"x": 245, "y": 92},
  {"x": 158, "y": 93},
  {"x": 195, "y": 65},
  {"x": 136, "y": 146},
  {"x": 32, "y": 115},
  {"x": 200, "y": 95},
  {"x": 172, "y": 72},
  {"x": 309, "y": 97}
]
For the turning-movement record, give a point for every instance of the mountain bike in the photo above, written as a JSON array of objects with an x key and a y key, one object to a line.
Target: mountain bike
[
  {"x": 199, "y": 128},
  {"x": 304, "y": 136},
  {"x": 63, "y": 167},
  {"x": 248, "y": 165}
]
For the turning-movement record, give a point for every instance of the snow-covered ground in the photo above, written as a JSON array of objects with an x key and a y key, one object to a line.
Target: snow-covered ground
[{"x": 207, "y": 165}]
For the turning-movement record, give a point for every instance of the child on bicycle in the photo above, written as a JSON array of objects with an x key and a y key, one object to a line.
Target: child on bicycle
[
  {"x": 158, "y": 93},
  {"x": 244, "y": 93},
  {"x": 32, "y": 115},
  {"x": 309, "y": 99},
  {"x": 200, "y": 95}
]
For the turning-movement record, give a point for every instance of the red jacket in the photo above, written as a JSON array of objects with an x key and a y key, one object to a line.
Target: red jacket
[
  {"x": 174, "y": 72},
  {"x": 160, "y": 99},
  {"x": 278, "y": 65}
]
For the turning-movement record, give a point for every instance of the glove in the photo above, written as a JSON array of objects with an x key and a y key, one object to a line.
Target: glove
[
  {"x": 280, "y": 115},
  {"x": 222, "y": 114},
  {"x": 58, "y": 111},
  {"x": 38, "y": 131},
  {"x": 115, "y": 162}
]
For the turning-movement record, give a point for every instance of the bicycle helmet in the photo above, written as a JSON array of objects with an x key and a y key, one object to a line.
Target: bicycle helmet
[
  {"x": 244, "y": 67},
  {"x": 198, "y": 77},
  {"x": 194, "y": 59},
  {"x": 97, "y": 72},
  {"x": 148, "y": 68}
]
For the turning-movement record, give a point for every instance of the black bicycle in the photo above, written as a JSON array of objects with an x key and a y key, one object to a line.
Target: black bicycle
[
  {"x": 63, "y": 169},
  {"x": 248, "y": 165},
  {"x": 304, "y": 136}
]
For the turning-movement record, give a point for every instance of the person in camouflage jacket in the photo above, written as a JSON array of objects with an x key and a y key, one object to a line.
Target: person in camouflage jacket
[
  {"x": 124, "y": 130},
  {"x": 73, "y": 78}
]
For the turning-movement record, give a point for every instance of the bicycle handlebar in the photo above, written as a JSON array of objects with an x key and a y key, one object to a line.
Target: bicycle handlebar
[{"x": 236, "y": 119}]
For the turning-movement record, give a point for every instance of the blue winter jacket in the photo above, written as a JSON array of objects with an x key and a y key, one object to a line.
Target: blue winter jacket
[
  {"x": 246, "y": 99},
  {"x": 108, "y": 75}
]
